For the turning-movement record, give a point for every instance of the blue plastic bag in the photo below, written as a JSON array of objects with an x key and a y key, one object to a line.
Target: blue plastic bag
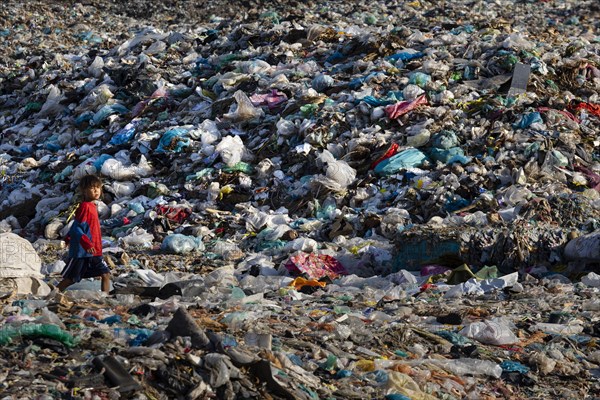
[
  {"x": 409, "y": 158},
  {"x": 406, "y": 56},
  {"x": 449, "y": 156},
  {"x": 173, "y": 140},
  {"x": 372, "y": 101},
  {"x": 126, "y": 133},
  {"x": 108, "y": 110},
  {"x": 528, "y": 119},
  {"x": 513, "y": 366},
  {"x": 100, "y": 161}
]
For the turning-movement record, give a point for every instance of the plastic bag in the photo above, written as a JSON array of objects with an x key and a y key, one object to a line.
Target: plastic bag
[
  {"x": 338, "y": 174},
  {"x": 107, "y": 110},
  {"x": 322, "y": 82},
  {"x": 398, "y": 382},
  {"x": 181, "y": 244},
  {"x": 173, "y": 140},
  {"x": 286, "y": 128},
  {"x": 517, "y": 41},
  {"x": 528, "y": 119},
  {"x": 52, "y": 105},
  {"x": 468, "y": 366},
  {"x": 116, "y": 170},
  {"x": 221, "y": 369},
  {"x": 409, "y": 158},
  {"x": 7, "y": 333},
  {"x": 101, "y": 94},
  {"x": 95, "y": 68},
  {"x": 419, "y": 134},
  {"x": 592, "y": 280},
  {"x": 449, "y": 156},
  {"x": 207, "y": 132},
  {"x": 411, "y": 92},
  {"x": 406, "y": 55},
  {"x": 558, "y": 329},
  {"x": 271, "y": 100},
  {"x": 245, "y": 111},
  {"x": 138, "y": 238},
  {"x": 490, "y": 332},
  {"x": 122, "y": 189},
  {"x": 125, "y": 134},
  {"x": 231, "y": 150},
  {"x": 48, "y": 317},
  {"x": 255, "y": 67},
  {"x": 419, "y": 78}
]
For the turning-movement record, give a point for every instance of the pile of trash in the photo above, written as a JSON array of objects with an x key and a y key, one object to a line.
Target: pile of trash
[{"x": 388, "y": 199}]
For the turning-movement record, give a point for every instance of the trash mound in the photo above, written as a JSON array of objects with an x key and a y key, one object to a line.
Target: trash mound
[
  {"x": 244, "y": 332},
  {"x": 305, "y": 200}
]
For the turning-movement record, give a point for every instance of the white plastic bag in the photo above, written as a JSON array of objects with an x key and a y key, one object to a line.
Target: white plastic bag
[
  {"x": 231, "y": 150},
  {"x": 245, "y": 111},
  {"x": 490, "y": 332},
  {"x": 115, "y": 169},
  {"x": 52, "y": 105},
  {"x": 207, "y": 132},
  {"x": 137, "y": 238},
  {"x": 338, "y": 174}
]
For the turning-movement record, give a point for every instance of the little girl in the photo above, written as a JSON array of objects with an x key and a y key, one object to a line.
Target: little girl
[{"x": 85, "y": 239}]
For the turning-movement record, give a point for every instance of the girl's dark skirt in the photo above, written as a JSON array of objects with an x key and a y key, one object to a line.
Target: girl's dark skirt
[{"x": 86, "y": 267}]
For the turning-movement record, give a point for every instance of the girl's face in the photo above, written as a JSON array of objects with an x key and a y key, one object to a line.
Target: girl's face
[{"x": 92, "y": 193}]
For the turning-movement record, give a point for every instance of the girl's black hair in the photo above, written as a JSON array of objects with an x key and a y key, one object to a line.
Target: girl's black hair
[{"x": 89, "y": 181}]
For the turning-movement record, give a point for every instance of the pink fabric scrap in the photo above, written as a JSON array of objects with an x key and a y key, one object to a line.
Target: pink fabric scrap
[
  {"x": 394, "y": 111},
  {"x": 315, "y": 266},
  {"x": 270, "y": 100}
]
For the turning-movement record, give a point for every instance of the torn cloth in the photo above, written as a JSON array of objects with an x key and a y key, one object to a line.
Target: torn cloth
[{"x": 315, "y": 266}]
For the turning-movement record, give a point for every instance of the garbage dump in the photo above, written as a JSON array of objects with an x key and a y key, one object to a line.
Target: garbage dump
[{"x": 303, "y": 200}]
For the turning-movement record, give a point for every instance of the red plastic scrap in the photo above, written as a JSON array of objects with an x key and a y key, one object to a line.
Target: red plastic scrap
[
  {"x": 427, "y": 286},
  {"x": 394, "y": 111},
  {"x": 315, "y": 266},
  {"x": 512, "y": 348},
  {"x": 177, "y": 214},
  {"x": 576, "y": 105},
  {"x": 390, "y": 152}
]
